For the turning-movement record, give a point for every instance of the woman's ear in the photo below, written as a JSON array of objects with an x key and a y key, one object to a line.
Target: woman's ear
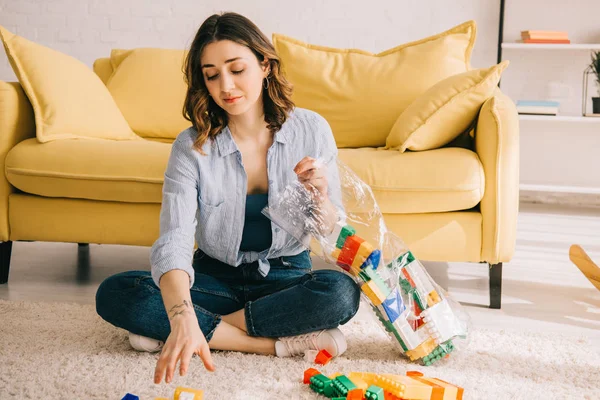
[{"x": 266, "y": 66}]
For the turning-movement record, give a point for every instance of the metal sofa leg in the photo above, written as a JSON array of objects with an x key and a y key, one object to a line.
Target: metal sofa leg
[
  {"x": 5, "y": 252},
  {"x": 496, "y": 286}
]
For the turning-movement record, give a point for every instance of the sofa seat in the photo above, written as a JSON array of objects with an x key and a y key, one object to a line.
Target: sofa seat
[
  {"x": 449, "y": 179},
  {"x": 125, "y": 171},
  {"x": 441, "y": 180}
]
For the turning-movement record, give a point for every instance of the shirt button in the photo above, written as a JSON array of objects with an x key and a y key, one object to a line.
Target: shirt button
[{"x": 276, "y": 229}]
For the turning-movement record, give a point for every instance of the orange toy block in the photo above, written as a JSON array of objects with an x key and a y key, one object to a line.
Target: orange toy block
[
  {"x": 364, "y": 251},
  {"x": 355, "y": 394},
  {"x": 182, "y": 393},
  {"x": 350, "y": 249},
  {"x": 323, "y": 357},
  {"x": 309, "y": 373}
]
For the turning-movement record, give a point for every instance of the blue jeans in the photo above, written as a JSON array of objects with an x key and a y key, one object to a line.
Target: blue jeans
[{"x": 291, "y": 300}]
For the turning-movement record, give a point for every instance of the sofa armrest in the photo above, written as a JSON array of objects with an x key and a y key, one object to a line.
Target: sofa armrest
[
  {"x": 17, "y": 123},
  {"x": 497, "y": 145}
]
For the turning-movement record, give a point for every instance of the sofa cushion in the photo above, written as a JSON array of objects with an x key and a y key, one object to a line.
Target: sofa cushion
[
  {"x": 149, "y": 88},
  {"x": 444, "y": 111},
  {"x": 448, "y": 179},
  {"x": 68, "y": 99},
  {"x": 129, "y": 171},
  {"x": 358, "y": 91}
]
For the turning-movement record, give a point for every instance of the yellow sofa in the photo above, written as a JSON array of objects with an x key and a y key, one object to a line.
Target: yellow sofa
[{"x": 447, "y": 204}]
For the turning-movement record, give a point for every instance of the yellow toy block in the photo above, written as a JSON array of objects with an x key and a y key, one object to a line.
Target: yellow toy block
[
  {"x": 433, "y": 298},
  {"x": 388, "y": 385},
  {"x": 422, "y": 350},
  {"x": 451, "y": 392},
  {"x": 182, "y": 393},
  {"x": 364, "y": 251},
  {"x": 414, "y": 389},
  {"x": 373, "y": 292}
]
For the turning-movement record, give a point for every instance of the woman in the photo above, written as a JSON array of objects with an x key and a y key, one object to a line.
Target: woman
[{"x": 249, "y": 287}]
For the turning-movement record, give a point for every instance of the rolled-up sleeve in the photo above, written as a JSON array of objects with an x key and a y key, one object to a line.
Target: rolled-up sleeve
[{"x": 175, "y": 245}]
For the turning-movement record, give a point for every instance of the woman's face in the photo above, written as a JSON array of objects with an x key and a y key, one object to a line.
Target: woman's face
[{"x": 233, "y": 76}]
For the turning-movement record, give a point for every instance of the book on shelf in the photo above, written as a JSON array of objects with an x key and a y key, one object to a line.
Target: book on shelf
[
  {"x": 538, "y": 107},
  {"x": 548, "y": 35},
  {"x": 547, "y": 41},
  {"x": 537, "y": 110}
]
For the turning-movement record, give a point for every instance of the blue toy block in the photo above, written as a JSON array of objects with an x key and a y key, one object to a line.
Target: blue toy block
[
  {"x": 372, "y": 260},
  {"x": 130, "y": 396},
  {"x": 393, "y": 305}
]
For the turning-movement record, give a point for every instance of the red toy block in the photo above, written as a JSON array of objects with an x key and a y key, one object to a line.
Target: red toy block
[
  {"x": 309, "y": 373},
  {"x": 323, "y": 357},
  {"x": 355, "y": 394},
  {"x": 349, "y": 250}
]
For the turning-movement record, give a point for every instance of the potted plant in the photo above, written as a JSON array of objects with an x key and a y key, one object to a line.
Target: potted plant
[{"x": 595, "y": 67}]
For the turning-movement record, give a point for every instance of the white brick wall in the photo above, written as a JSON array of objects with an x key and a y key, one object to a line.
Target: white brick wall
[{"x": 89, "y": 29}]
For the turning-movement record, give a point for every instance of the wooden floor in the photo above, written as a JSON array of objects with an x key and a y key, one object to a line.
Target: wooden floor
[{"x": 541, "y": 288}]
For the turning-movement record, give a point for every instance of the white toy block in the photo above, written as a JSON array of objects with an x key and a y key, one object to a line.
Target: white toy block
[
  {"x": 441, "y": 323},
  {"x": 412, "y": 339}
]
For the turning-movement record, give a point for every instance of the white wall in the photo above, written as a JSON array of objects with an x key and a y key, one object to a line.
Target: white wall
[
  {"x": 89, "y": 29},
  {"x": 554, "y": 155}
]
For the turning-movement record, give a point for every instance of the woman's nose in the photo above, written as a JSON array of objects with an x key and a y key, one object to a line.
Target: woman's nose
[{"x": 226, "y": 83}]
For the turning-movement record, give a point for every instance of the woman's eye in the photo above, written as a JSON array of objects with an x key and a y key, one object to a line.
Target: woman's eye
[
  {"x": 238, "y": 72},
  {"x": 210, "y": 78}
]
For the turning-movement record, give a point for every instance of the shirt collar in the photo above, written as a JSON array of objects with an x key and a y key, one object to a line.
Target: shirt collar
[{"x": 227, "y": 145}]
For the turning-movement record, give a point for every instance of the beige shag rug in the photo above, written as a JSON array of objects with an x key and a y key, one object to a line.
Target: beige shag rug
[{"x": 59, "y": 351}]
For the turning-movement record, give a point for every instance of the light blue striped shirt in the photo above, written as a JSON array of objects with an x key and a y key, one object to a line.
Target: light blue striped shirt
[{"x": 204, "y": 196}]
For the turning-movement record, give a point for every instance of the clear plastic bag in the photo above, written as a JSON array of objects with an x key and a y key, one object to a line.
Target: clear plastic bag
[{"x": 416, "y": 313}]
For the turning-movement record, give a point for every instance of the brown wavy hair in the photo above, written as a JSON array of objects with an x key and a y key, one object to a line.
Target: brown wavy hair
[{"x": 200, "y": 109}]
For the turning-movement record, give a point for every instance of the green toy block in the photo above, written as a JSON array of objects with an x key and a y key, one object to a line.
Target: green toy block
[
  {"x": 344, "y": 233},
  {"x": 372, "y": 274},
  {"x": 319, "y": 383},
  {"x": 364, "y": 276},
  {"x": 403, "y": 260},
  {"x": 374, "y": 393},
  {"x": 342, "y": 385},
  {"x": 406, "y": 287},
  {"x": 421, "y": 302},
  {"x": 438, "y": 353}
]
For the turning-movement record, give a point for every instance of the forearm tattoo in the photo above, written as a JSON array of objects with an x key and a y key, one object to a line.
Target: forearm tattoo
[{"x": 179, "y": 309}]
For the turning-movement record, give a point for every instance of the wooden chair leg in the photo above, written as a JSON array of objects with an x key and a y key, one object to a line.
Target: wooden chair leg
[
  {"x": 496, "y": 286},
  {"x": 5, "y": 252}
]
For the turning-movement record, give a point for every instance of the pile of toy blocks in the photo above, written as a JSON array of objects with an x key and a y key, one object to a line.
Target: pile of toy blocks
[
  {"x": 371, "y": 386},
  {"x": 415, "y": 316},
  {"x": 181, "y": 393}
]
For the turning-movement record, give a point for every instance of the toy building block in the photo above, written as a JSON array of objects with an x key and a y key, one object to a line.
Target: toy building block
[
  {"x": 374, "y": 393},
  {"x": 323, "y": 357},
  {"x": 438, "y": 353},
  {"x": 342, "y": 385},
  {"x": 393, "y": 306},
  {"x": 349, "y": 250},
  {"x": 390, "y": 329},
  {"x": 319, "y": 383},
  {"x": 373, "y": 292},
  {"x": 389, "y": 386},
  {"x": 309, "y": 373},
  {"x": 420, "y": 279},
  {"x": 369, "y": 274},
  {"x": 412, "y": 339},
  {"x": 362, "y": 254},
  {"x": 336, "y": 256},
  {"x": 182, "y": 393},
  {"x": 422, "y": 350},
  {"x": 355, "y": 394},
  {"x": 345, "y": 231},
  {"x": 130, "y": 396},
  {"x": 441, "y": 322},
  {"x": 309, "y": 355},
  {"x": 372, "y": 260}
]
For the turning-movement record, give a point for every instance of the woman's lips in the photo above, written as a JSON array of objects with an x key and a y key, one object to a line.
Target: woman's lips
[{"x": 232, "y": 99}]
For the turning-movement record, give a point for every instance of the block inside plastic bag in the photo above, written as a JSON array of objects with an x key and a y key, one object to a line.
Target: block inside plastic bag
[{"x": 419, "y": 316}]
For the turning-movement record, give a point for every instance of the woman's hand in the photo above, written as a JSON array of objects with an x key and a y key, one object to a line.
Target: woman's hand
[
  {"x": 312, "y": 174},
  {"x": 185, "y": 340}
]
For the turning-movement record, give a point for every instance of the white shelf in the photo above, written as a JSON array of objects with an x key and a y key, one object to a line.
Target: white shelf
[
  {"x": 558, "y": 118},
  {"x": 578, "y": 46}
]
